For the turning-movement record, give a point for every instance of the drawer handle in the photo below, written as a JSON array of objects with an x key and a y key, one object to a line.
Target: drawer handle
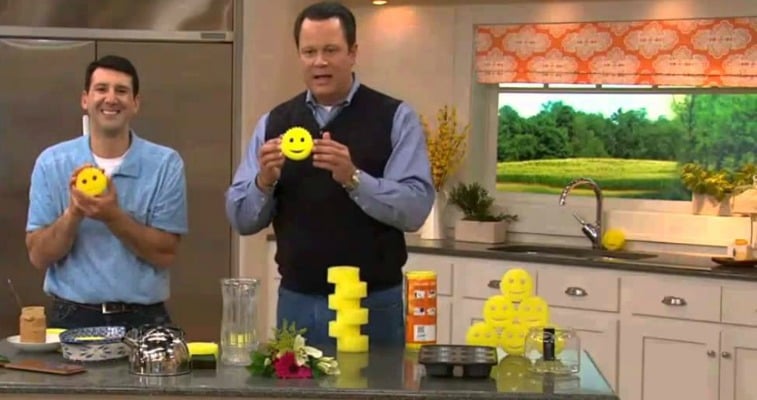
[
  {"x": 576, "y": 291},
  {"x": 494, "y": 284},
  {"x": 673, "y": 301},
  {"x": 725, "y": 354}
]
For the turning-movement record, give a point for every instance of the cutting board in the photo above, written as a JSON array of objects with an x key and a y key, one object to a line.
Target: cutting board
[{"x": 47, "y": 367}]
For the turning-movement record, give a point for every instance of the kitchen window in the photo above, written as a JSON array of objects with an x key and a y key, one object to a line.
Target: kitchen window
[{"x": 631, "y": 139}]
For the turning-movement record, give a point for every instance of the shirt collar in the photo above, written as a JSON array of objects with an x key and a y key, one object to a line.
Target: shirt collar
[
  {"x": 309, "y": 99},
  {"x": 131, "y": 165}
]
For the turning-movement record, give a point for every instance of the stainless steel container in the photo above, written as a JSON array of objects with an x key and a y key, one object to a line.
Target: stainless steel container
[{"x": 158, "y": 351}]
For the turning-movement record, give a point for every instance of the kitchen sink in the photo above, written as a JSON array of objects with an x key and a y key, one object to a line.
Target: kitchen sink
[{"x": 573, "y": 252}]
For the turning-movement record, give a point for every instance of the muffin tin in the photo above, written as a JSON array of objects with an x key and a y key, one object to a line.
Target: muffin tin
[{"x": 441, "y": 360}]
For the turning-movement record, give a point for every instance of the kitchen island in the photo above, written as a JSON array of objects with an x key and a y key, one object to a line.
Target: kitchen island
[{"x": 380, "y": 374}]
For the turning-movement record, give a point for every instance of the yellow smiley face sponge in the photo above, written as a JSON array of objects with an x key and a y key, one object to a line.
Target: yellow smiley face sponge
[
  {"x": 91, "y": 181},
  {"x": 297, "y": 143}
]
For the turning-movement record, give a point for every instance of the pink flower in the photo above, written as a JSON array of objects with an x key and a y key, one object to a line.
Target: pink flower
[{"x": 286, "y": 367}]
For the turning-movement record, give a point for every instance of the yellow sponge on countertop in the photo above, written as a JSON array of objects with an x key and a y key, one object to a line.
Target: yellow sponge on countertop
[{"x": 203, "y": 349}]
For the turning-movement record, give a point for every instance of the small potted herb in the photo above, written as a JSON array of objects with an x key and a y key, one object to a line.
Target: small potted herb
[{"x": 480, "y": 223}]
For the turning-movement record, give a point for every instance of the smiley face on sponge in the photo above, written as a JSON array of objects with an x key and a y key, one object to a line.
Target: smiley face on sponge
[
  {"x": 297, "y": 143},
  {"x": 91, "y": 180}
]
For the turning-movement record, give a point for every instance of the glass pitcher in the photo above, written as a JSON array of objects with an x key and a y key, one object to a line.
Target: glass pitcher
[{"x": 238, "y": 333}]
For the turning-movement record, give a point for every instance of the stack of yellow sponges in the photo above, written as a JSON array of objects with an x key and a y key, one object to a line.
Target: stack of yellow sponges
[{"x": 350, "y": 315}]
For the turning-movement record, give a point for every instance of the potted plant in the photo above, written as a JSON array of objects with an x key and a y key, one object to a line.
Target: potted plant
[
  {"x": 479, "y": 223},
  {"x": 714, "y": 191}
]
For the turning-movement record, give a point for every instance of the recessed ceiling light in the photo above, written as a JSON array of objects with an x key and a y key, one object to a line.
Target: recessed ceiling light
[{"x": 379, "y": 2}]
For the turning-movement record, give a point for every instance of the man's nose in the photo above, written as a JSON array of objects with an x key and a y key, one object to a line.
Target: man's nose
[
  {"x": 320, "y": 60},
  {"x": 110, "y": 96}
]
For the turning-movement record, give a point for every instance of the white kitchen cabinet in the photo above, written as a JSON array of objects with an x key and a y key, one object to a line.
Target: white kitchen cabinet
[
  {"x": 444, "y": 319},
  {"x": 467, "y": 312},
  {"x": 669, "y": 359},
  {"x": 598, "y": 334},
  {"x": 738, "y": 363},
  {"x": 479, "y": 279}
]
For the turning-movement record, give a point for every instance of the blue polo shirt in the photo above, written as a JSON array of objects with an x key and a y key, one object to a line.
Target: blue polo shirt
[{"x": 151, "y": 187}]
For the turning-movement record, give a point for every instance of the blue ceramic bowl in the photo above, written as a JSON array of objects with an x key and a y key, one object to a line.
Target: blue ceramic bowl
[{"x": 97, "y": 343}]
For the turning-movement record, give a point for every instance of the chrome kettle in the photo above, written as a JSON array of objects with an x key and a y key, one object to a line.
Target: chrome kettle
[{"x": 157, "y": 350}]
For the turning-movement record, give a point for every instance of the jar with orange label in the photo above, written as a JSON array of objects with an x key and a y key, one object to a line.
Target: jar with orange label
[
  {"x": 421, "y": 307},
  {"x": 741, "y": 250}
]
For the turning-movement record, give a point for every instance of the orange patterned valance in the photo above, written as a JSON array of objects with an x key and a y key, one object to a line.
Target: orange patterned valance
[{"x": 695, "y": 52}]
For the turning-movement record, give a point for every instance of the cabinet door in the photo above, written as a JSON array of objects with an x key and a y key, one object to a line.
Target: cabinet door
[
  {"x": 668, "y": 359},
  {"x": 598, "y": 333},
  {"x": 444, "y": 319},
  {"x": 738, "y": 363},
  {"x": 467, "y": 312}
]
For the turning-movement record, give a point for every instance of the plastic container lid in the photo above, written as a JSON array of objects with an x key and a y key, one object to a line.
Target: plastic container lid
[{"x": 421, "y": 274}]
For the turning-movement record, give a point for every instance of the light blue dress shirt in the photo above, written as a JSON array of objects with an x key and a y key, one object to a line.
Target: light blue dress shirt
[
  {"x": 402, "y": 198},
  {"x": 151, "y": 188}
]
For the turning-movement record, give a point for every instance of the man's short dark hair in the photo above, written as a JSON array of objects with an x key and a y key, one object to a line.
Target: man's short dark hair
[
  {"x": 327, "y": 10},
  {"x": 116, "y": 63}
]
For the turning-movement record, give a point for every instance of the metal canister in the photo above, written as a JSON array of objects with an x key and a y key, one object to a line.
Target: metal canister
[{"x": 420, "y": 309}]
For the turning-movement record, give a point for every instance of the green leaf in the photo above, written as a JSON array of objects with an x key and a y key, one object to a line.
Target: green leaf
[
  {"x": 312, "y": 363},
  {"x": 4, "y": 359},
  {"x": 258, "y": 365}
]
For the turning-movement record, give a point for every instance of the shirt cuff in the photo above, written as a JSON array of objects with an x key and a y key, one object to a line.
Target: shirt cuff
[{"x": 254, "y": 190}]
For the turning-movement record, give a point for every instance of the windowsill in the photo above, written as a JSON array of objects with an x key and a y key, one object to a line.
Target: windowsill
[{"x": 648, "y": 224}]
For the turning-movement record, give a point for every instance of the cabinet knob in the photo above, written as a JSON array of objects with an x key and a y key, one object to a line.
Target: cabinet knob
[
  {"x": 725, "y": 354},
  {"x": 711, "y": 353},
  {"x": 673, "y": 301},
  {"x": 576, "y": 291},
  {"x": 494, "y": 284}
]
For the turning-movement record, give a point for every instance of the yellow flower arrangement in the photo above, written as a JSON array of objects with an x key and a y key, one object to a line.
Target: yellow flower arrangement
[{"x": 446, "y": 145}]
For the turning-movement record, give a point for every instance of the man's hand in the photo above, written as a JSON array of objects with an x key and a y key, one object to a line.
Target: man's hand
[
  {"x": 73, "y": 209},
  {"x": 335, "y": 157},
  {"x": 271, "y": 161},
  {"x": 103, "y": 207}
]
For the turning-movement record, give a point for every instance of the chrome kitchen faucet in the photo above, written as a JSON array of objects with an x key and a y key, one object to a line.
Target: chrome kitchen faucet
[{"x": 591, "y": 231}]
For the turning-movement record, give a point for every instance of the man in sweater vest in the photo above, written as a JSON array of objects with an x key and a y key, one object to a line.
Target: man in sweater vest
[{"x": 366, "y": 182}]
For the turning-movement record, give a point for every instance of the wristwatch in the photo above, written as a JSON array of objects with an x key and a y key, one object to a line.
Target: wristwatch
[{"x": 353, "y": 182}]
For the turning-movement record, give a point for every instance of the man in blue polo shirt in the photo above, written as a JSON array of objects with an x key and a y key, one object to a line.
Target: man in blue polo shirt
[{"x": 106, "y": 257}]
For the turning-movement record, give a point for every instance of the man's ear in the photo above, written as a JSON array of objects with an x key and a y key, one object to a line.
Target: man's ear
[{"x": 84, "y": 100}]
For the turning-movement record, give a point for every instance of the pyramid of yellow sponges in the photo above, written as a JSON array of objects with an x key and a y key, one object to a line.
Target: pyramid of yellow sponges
[
  {"x": 350, "y": 316},
  {"x": 508, "y": 316}
]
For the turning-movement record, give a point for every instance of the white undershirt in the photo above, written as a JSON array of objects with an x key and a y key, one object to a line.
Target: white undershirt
[{"x": 109, "y": 164}]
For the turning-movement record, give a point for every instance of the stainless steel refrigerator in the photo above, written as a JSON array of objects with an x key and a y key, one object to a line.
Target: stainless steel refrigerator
[{"x": 187, "y": 103}]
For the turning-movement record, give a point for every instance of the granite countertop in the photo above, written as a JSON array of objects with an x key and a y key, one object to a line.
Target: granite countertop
[
  {"x": 388, "y": 374},
  {"x": 663, "y": 263}
]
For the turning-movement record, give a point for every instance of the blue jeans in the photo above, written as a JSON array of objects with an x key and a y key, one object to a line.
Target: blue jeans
[{"x": 386, "y": 316}]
